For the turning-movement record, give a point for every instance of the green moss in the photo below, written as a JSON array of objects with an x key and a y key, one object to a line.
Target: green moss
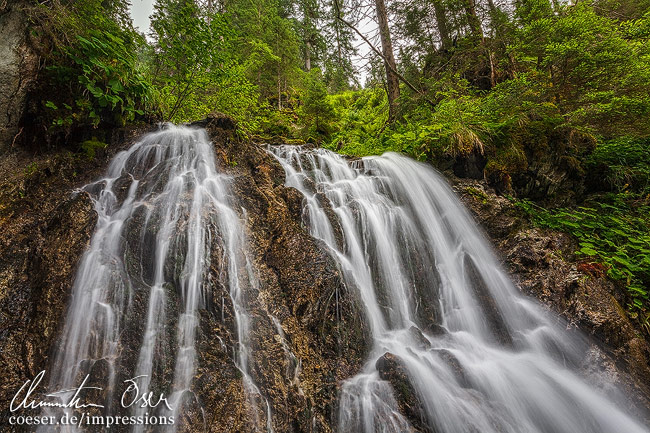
[
  {"x": 91, "y": 146},
  {"x": 477, "y": 194}
]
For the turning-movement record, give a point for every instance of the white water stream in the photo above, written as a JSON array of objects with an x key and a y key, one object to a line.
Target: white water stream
[
  {"x": 161, "y": 208},
  {"x": 480, "y": 356}
]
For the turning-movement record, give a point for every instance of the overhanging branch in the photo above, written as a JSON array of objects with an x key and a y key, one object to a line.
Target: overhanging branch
[{"x": 401, "y": 77}]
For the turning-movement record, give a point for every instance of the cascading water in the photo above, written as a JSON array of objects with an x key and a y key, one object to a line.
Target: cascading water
[
  {"x": 480, "y": 357},
  {"x": 162, "y": 209}
]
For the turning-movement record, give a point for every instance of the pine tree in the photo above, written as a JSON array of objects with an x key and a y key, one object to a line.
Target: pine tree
[{"x": 317, "y": 109}]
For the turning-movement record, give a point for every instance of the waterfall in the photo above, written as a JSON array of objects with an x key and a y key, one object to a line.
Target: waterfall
[
  {"x": 478, "y": 356},
  {"x": 164, "y": 210}
]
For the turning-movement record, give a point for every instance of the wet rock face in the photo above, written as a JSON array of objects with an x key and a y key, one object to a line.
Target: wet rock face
[
  {"x": 44, "y": 229},
  {"x": 18, "y": 66},
  {"x": 36, "y": 269},
  {"x": 303, "y": 320},
  {"x": 392, "y": 370},
  {"x": 543, "y": 264},
  {"x": 546, "y": 180}
]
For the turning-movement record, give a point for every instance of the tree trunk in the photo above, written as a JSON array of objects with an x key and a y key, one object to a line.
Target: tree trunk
[
  {"x": 494, "y": 16},
  {"x": 442, "y": 24},
  {"x": 392, "y": 68},
  {"x": 308, "y": 30},
  {"x": 307, "y": 55},
  {"x": 473, "y": 20},
  {"x": 279, "y": 91},
  {"x": 493, "y": 8},
  {"x": 392, "y": 80}
]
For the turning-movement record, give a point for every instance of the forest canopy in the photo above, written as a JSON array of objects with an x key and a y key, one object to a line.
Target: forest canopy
[
  {"x": 497, "y": 86},
  {"x": 458, "y": 74}
]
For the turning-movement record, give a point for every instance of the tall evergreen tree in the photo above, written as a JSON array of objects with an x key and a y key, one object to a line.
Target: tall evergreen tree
[
  {"x": 339, "y": 70},
  {"x": 392, "y": 80}
]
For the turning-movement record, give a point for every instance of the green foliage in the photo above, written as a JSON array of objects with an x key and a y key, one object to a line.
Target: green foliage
[
  {"x": 455, "y": 128},
  {"x": 317, "y": 110},
  {"x": 362, "y": 117},
  {"x": 567, "y": 77},
  {"x": 339, "y": 70},
  {"x": 269, "y": 46},
  {"x": 198, "y": 72},
  {"x": 622, "y": 164},
  {"x": 93, "y": 70},
  {"x": 91, "y": 146},
  {"x": 596, "y": 70},
  {"x": 279, "y": 123},
  {"x": 614, "y": 230},
  {"x": 499, "y": 125},
  {"x": 110, "y": 86}
]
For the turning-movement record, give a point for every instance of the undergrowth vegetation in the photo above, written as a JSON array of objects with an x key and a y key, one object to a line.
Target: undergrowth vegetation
[
  {"x": 93, "y": 71},
  {"x": 612, "y": 230}
]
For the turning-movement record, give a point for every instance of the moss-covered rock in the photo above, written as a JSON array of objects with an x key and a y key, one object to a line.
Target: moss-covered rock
[{"x": 392, "y": 370}]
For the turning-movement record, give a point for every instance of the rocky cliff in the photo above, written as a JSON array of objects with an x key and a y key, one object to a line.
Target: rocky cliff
[
  {"x": 308, "y": 333},
  {"x": 45, "y": 227},
  {"x": 18, "y": 70},
  {"x": 544, "y": 265}
]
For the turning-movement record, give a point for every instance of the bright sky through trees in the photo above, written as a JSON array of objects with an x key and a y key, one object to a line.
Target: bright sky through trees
[{"x": 140, "y": 12}]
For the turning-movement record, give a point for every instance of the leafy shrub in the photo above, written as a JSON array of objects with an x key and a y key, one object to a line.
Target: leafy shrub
[
  {"x": 621, "y": 164},
  {"x": 362, "y": 117},
  {"x": 106, "y": 83},
  {"x": 93, "y": 75},
  {"x": 278, "y": 123},
  {"x": 614, "y": 230}
]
